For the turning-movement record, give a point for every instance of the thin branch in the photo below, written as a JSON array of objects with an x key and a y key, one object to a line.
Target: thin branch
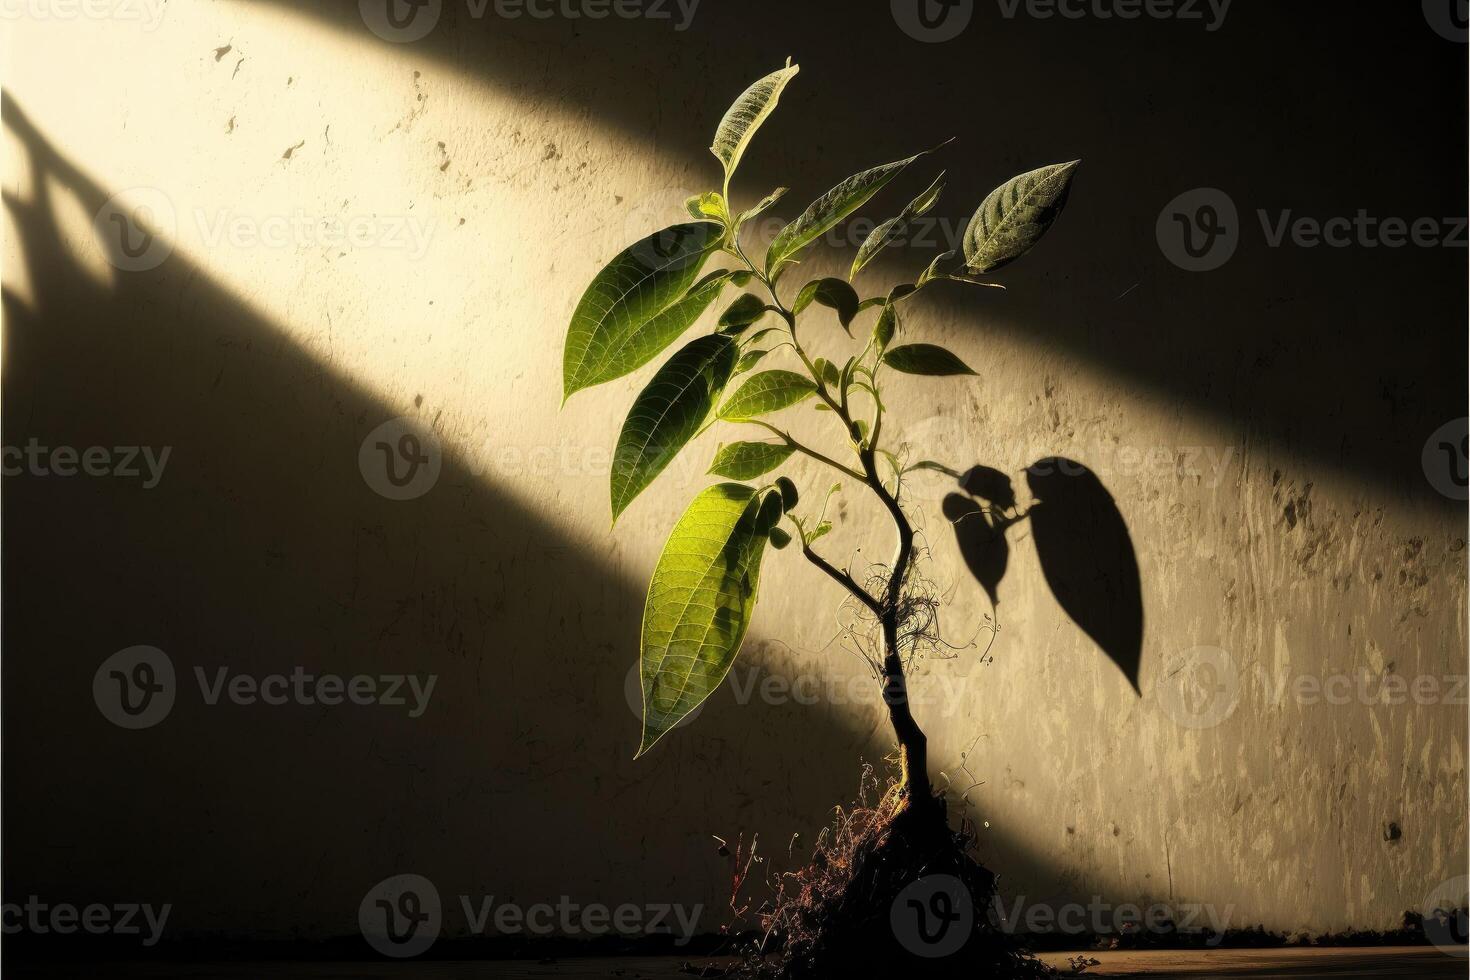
[
  {"x": 843, "y": 579},
  {"x": 855, "y": 474}
]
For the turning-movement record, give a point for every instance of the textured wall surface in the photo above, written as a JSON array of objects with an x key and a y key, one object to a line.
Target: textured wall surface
[{"x": 1260, "y": 427}]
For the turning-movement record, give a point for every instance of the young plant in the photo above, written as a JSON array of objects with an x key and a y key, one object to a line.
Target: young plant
[{"x": 705, "y": 584}]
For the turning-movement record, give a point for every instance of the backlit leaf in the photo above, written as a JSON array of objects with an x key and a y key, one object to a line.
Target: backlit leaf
[
  {"x": 668, "y": 413},
  {"x": 925, "y": 359},
  {"x": 746, "y": 115},
  {"x": 769, "y": 391},
  {"x": 699, "y": 604},
  {"x": 1015, "y": 215},
  {"x": 748, "y": 460},
  {"x": 617, "y": 327}
]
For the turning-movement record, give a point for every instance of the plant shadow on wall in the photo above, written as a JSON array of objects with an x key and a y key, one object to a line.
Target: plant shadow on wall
[
  {"x": 827, "y": 920},
  {"x": 262, "y": 548},
  {"x": 1269, "y": 346}
]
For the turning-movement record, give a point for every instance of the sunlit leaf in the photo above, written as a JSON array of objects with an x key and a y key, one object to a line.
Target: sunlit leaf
[
  {"x": 748, "y": 460},
  {"x": 1015, "y": 215},
  {"x": 761, "y": 208},
  {"x": 710, "y": 204},
  {"x": 769, "y": 391},
  {"x": 699, "y": 604},
  {"x": 746, "y": 115},
  {"x": 888, "y": 231},
  {"x": 617, "y": 326},
  {"x": 886, "y": 328},
  {"x": 668, "y": 413},
  {"x": 925, "y": 359},
  {"x": 826, "y": 211}
]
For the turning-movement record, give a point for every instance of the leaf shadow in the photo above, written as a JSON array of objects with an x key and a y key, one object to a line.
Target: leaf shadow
[{"x": 1082, "y": 543}]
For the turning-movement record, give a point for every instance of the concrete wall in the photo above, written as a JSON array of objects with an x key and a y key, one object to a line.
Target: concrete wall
[{"x": 1260, "y": 427}]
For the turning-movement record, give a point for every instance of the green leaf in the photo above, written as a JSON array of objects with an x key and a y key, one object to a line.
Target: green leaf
[
  {"x": 618, "y": 326},
  {"x": 769, "y": 391},
  {"x": 836, "y": 294},
  {"x": 710, "y": 204},
  {"x": 748, "y": 460},
  {"x": 932, "y": 272},
  {"x": 746, "y": 115},
  {"x": 826, "y": 211},
  {"x": 699, "y": 605},
  {"x": 789, "y": 497},
  {"x": 668, "y": 413},
  {"x": 1015, "y": 215},
  {"x": 886, "y": 328},
  {"x": 746, "y": 309},
  {"x": 885, "y": 233},
  {"x": 925, "y": 359},
  {"x": 820, "y": 531},
  {"x": 749, "y": 360},
  {"x": 779, "y": 538},
  {"x": 761, "y": 208}
]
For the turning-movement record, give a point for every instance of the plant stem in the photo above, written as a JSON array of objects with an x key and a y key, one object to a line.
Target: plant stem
[{"x": 912, "y": 743}]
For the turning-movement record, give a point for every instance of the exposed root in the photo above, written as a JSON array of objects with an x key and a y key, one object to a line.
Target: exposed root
[{"x": 890, "y": 887}]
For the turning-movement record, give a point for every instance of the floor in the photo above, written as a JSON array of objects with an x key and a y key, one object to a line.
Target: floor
[{"x": 1225, "y": 964}]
